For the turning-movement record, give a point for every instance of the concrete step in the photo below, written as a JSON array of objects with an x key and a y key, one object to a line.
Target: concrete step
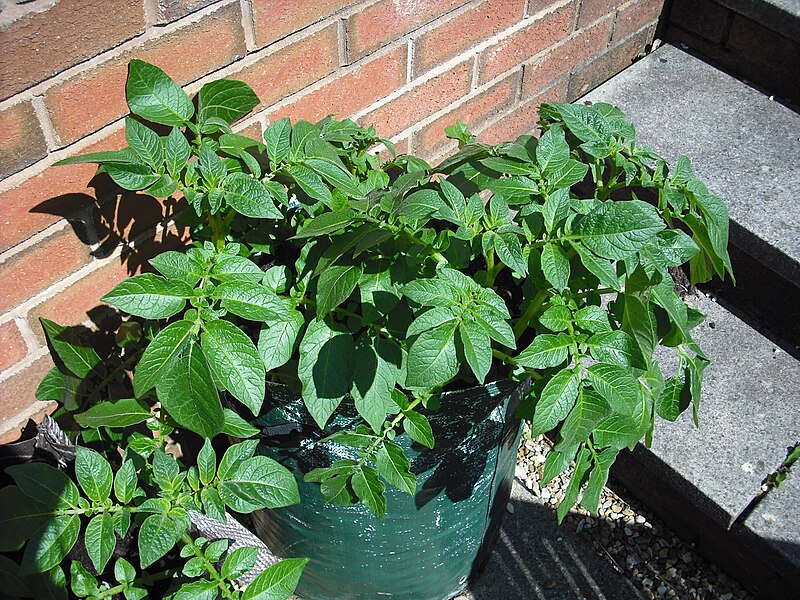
[
  {"x": 706, "y": 483},
  {"x": 535, "y": 558}
]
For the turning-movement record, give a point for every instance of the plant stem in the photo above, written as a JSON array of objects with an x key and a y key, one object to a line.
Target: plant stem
[
  {"x": 145, "y": 580},
  {"x": 532, "y": 311},
  {"x": 382, "y": 438},
  {"x": 222, "y": 584}
]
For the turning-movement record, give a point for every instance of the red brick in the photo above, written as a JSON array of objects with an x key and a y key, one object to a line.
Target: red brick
[
  {"x": 543, "y": 32},
  {"x": 608, "y": 64},
  {"x": 523, "y": 118},
  {"x": 21, "y": 139},
  {"x": 293, "y": 67},
  {"x": 346, "y": 95},
  {"x": 44, "y": 199},
  {"x": 430, "y": 141},
  {"x": 41, "y": 44},
  {"x": 465, "y": 31},
  {"x": 421, "y": 101},
  {"x": 592, "y": 10},
  {"x": 18, "y": 400},
  {"x": 636, "y": 14},
  {"x": 580, "y": 48},
  {"x": 252, "y": 131},
  {"x": 275, "y": 19},
  {"x": 33, "y": 270},
  {"x": 387, "y": 20},
  {"x": 88, "y": 101},
  {"x": 171, "y": 10},
  {"x": 12, "y": 347}
]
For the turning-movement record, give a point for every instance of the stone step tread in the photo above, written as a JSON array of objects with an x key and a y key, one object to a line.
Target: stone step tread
[
  {"x": 745, "y": 147},
  {"x": 748, "y": 416},
  {"x": 776, "y": 517},
  {"x": 534, "y": 557}
]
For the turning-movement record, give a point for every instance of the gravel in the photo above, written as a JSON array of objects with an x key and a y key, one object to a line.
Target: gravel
[{"x": 630, "y": 537}]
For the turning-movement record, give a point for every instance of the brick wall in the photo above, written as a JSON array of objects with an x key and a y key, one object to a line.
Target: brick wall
[{"x": 410, "y": 67}]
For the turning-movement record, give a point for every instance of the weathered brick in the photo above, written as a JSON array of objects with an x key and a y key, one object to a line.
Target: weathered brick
[
  {"x": 171, "y": 10},
  {"x": 421, "y": 101},
  {"x": 44, "y": 199},
  {"x": 636, "y": 14},
  {"x": 33, "y": 270},
  {"x": 592, "y": 10},
  {"x": 608, "y": 64},
  {"x": 252, "y": 131},
  {"x": 522, "y": 119},
  {"x": 430, "y": 141},
  {"x": 293, "y": 67},
  {"x": 21, "y": 139},
  {"x": 41, "y": 44},
  {"x": 387, "y": 20},
  {"x": 541, "y": 33},
  {"x": 346, "y": 95},
  {"x": 705, "y": 18},
  {"x": 581, "y": 47},
  {"x": 12, "y": 346},
  {"x": 18, "y": 401},
  {"x": 88, "y": 101},
  {"x": 275, "y": 19},
  {"x": 464, "y": 31}
]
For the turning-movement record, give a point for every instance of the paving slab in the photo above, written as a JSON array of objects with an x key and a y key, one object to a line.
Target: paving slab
[
  {"x": 745, "y": 147},
  {"x": 749, "y": 415},
  {"x": 534, "y": 558}
]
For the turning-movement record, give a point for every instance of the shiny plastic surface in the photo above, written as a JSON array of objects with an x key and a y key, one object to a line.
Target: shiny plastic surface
[{"x": 428, "y": 546}]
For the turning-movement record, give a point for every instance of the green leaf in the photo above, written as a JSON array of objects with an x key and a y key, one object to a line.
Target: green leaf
[
  {"x": 161, "y": 354},
  {"x": 100, "y": 540},
  {"x": 176, "y": 152},
  {"x": 79, "y": 358},
  {"x": 335, "y": 285},
  {"x": 557, "y": 462},
  {"x": 114, "y": 413},
  {"x": 582, "y": 464},
  {"x": 20, "y": 517},
  {"x": 555, "y": 209},
  {"x": 256, "y": 483},
  {"x": 125, "y": 482},
  {"x": 45, "y": 484},
  {"x": 149, "y": 296},
  {"x": 509, "y": 251},
  {"x": 324, "y": 368},
  {"x": 235, "y": 426},
  {"x": 278, "y": 138},
  {"x": 235, "y": 363},
  {"x": 165, "y": 469},
  {"x": 673, "y": 400},
  {"x": 236, "y": 268},
  {"x": 163, "y": 188},
  {"x": 616, "y": 384},
  {"x": 249, "y": 197},
  {"x": 278, "y": 582},
  {"x": 158, "y": 535},
  {"x": 251, "y": 301},
  {"x": 94, "y": 474},
  {"x": 379, "y": 364},
  {"x": 615, "y": 347},
  {"x": 494, "y": 325},
  {"x": 421, "y": 204},
  {"x": 234, "y": 456},
  {"x": 599, "y": 267},
  {"x": 516, "y": 189},
  {"x": 393, "y": 466},
  {"x": 593, "y": 319},
  {"x": 124, "y": 572},
  {"x": 616, "y": 230},
  {"x": 616, "y": 431},
  {"x": 432, "y": 358},
  {"x": 597, "y": 479},
  {"x": 546, "y": 350},
  {"x": 179, "y": 266},
  {"x": 109, "y": 156},
  {"x": 327, "y": 222},
  {"x": 573, "y": 172},
  {"x": 239, "y": 562},
  {"x": 151, "y": 94},
  {"x": 310, "y": 183},
  {"x": 211, "y": 166},
  {"x": 589, "y": 410},
  {"x": 207, "y": 463},
  {"x": 187, "y": 392},
  {"x": 144, "y": 142},
  {"x": 477, "y": 348},
  {"x": 552, "y": 151},
  {"x": 555, "y": 266},
  {"x": 50, "y": 544},
  {"x": 369, "y": 490},
  {"x": 334, "y": 175},
  {"x": 585, "y": 122},
  {"x": 555, "y": 401},
  {"x": 225, "y": 99},
  {"x": 431, "y": 292},
  {"x": 556, "y": 318},
  {"x": 418, "y": 428},
  {"x": 12, "y": 584},
  {"x": 213, "y": 505},
  {"x": 430, "y": 319},
  {"x": 276, "y": 342}
]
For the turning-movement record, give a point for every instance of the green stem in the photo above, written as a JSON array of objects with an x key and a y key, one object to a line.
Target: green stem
[
  {"x": 382, "y": 438},
  {"x": 532, "y": 311},
  {"x": 145, "y": 581},
  {"x": 510, "y": 360},
  {"x": 601, "y": 291},
  {"x": 221, "y": 582}
]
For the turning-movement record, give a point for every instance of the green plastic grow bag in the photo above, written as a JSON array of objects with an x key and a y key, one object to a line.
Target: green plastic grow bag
[{"x": 428, "y": 546}]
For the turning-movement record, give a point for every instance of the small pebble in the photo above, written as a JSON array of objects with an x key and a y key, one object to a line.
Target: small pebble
[{"x": 510, "y": 508}]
